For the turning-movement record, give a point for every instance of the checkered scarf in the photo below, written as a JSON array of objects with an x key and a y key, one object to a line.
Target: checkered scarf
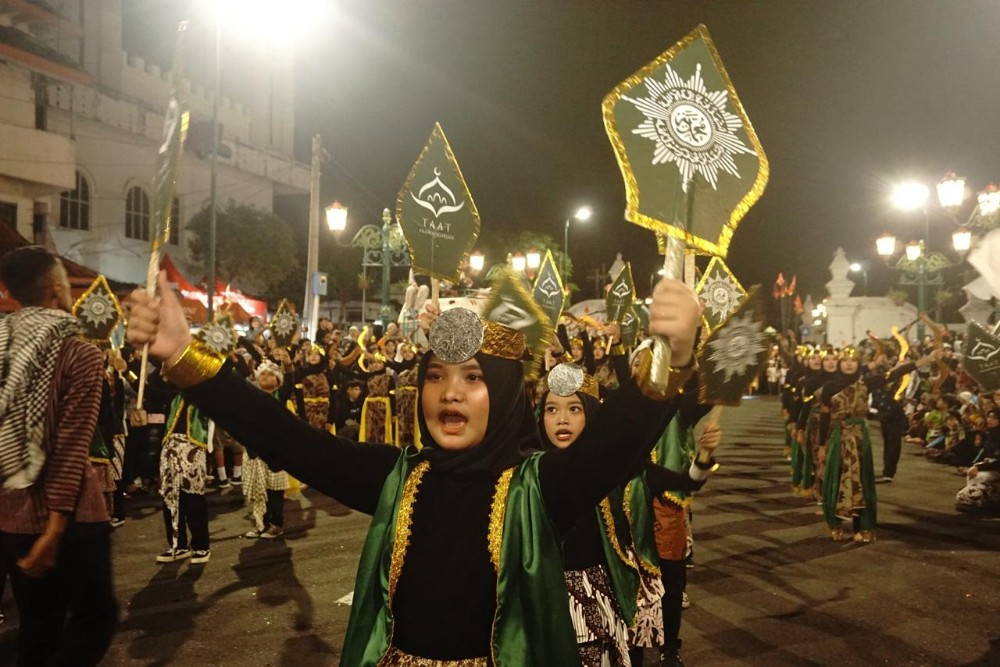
[{"x": 30, "y": 340}]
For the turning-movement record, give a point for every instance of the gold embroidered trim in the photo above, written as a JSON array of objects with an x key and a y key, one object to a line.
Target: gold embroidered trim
[
  {"x": 502, "y": 341},
  {"x": 404, "y": 522},
  {"x": 609, "y": 528},
  {"x": 650, "y": 568},
  {"x": 196, "y": 364},
  {"x": 675, "y": 499},
  {"x": 497, "y": 513},
  {"x": 397, "y": 658}
]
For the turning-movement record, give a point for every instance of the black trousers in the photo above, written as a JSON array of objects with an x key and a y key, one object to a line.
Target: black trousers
[
  {"x": 193, "y": 512},
  {"x": 674, "y": 576},
  {"x": 892, "y": 444},
  {"x": 275, "y": 514},
  {"x": 68, "y": 616}
]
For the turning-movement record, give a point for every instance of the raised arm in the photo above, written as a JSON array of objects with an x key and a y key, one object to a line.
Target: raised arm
[{"x": 351, "y": 473}]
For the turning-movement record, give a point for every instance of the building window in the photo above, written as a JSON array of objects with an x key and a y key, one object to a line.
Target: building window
[
  {"x": 74, "y": 209},
  {"x": 175, "y": 222},
  {"x": 8, "y": 215},
  {"x": 137, "y": 214}
]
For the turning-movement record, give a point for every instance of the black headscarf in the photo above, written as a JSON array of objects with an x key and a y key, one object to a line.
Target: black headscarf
[
  {"x": 511, "y": 431},
  {"x": 590, "y": 407},
  {"x": 839, "y": 382}
]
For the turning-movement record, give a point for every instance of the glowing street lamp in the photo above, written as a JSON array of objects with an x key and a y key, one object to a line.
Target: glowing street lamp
[
  {"x": 914, "y": 249},
  {"x": 583, "y": 214},
  {"x": 989, "y": 200},
  {"x": 336, "y": 217},
  {"x": 910, "y": 196},
  {"x": 951, "y": 191},
  {"x": 477, "y": 261},
  {"x": 886, "y": 245},
  {"x": 533, "y": 260},
  {"x": 518, "y": 262},
  {"x": 961, "y": 240}
]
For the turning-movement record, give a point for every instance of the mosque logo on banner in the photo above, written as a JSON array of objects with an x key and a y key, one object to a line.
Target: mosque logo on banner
[
  {"x": 734, "y": 353},
  {"x": 719, "y": 292},
  {"x": 436, "y": 212},
  {"x": 548, "y": 289},
  {"x": 981, "y": 356}
]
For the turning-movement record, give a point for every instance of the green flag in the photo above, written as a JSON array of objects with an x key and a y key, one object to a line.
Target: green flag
[
  {"x": 620, "y": 296},
  {"x": 629, "y": 326},
  {"x": 691, "y": 161},
  {"x": 219, "y": 335},
  {"x": 284, "y": 325},
  {"x": 175, "y": 125},
  {"x": 720, "y": 293},
  {"x": 548, "y": 290},
  {"x": 734, "y": 354},
  {"x": 436, "y": 212},
  {"x": 98, "y": 311},
  {"x": 981, "y": 356},
  {"x": 510, "y": 304}
]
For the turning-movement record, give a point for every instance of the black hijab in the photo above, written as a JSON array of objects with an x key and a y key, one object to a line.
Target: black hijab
[
  {"x": 590, "y": 407},
  {"x": 511, "y": 431}
]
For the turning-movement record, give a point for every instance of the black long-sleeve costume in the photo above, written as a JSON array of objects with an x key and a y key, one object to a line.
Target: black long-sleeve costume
[{"x": 446, "y": 595}]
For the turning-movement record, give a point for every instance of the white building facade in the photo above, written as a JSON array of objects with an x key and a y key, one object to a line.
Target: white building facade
[{"x": 81, "y": 122}]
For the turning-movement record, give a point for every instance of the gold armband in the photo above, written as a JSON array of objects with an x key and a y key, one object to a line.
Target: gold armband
[
  {"x": 675, "y": 383},
  {"x": 196, "y": 364}
]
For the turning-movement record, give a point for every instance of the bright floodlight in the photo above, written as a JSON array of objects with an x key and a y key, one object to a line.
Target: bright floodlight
[
  {"x": 336, "y": 217},
  {"x": 583, "y": 213},
  {"x": 886, "y": 245},
  {"x": 517, "y": 262},
  {"x": 477, "y": 261},
  {"x": 910, "y": 196},
  {"x": 268, "y": 22},
  {"x": 961, "y": 239},
  {"x": 951, "y": 191},
  {"x": 913, "y": 251},
  {"x": 855, "y": 267}
]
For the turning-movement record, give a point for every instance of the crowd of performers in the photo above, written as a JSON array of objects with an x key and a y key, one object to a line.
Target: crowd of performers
[
  {"x": 514, "y": 523},
  {"x": 925, "y": 398}
]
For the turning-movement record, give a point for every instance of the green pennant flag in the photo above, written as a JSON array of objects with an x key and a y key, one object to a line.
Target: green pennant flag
[
  {"x": 981, "y": 356},
  {"x": 734, "y": 354},
  {"x": 691, "y": 161},
  {"x": 175, "y": 126},
  {"x": 284, "y": 325},
  {"x": 98, "y": 312},
  {"x": 719, "y": 292},
  {"x": 620, "y": 296},
  {"x": 510, "y": 304},
  {"x": 548, "y": 290},
  {"x": 436, "y": 212},
  {"x": 629, "y": 326}
]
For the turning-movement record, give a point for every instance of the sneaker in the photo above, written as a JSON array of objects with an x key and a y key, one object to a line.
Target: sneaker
[
  {"x": 884, "y": 479},
  {"x": 117, "y": 523},
  {"x": 253, "y": 534},
  {"x": 223, "y": 484},
  {"x": 237, "y": 481},
  {"x": 271, "y": 532},
  {"x": 685, "y": 600},
  {"x": 171, "y": 555},
  {"x": 201, "y": 555}
]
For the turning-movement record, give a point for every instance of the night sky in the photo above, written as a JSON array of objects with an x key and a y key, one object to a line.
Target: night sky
[{"x": 847, "y": 98}]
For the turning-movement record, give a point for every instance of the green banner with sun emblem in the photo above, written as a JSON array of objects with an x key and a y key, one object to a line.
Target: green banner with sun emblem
[
  {"x": 735, "y": 353},
  {"x": 720, "y": 293},
  {"x": 219, "y": 335},
  {"x": 284, "y": 325},
  {"x": 510, "y": 304},
  {"x": 98, "y": 312},
  {"x": 436, "y": 212},
  {"x": 691, "y": 161},
  {"x": 621, "y": 295},
  {"x": 548, "y": 289}
]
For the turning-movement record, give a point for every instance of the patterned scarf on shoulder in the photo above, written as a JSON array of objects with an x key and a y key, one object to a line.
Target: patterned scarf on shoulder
[{"x": 30, "y": 340}]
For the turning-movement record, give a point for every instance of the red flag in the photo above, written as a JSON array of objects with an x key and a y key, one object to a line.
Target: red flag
[
  {"x": 791, "y": 286},
  {"x": 779, "y": 285},
  {"x": 780, "y": 282},
  {"x": 798, "y": 304}
]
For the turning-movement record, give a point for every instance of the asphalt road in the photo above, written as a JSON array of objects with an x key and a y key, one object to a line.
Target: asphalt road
[{"x": 768, "y": 586}]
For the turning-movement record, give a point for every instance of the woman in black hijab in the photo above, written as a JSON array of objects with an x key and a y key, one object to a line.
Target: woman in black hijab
[{"x": 459, "y": 560}]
